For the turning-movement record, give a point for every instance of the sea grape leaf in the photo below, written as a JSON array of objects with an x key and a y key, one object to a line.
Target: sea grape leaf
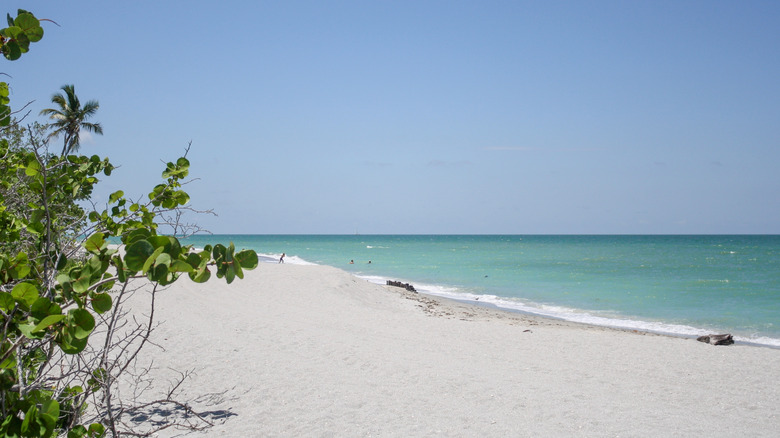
[
  {"x": 247, "y": 259},
  {"x": 30, "y": 425},
  {"x": 194, "y": 260},
  {"x": 171, "y": 244},
  {"x": 136, "y": 235},
  {"x": 83, "y": 279},
  {"x": 163, "y": 259},
  {"x": 20, "y": 266},
  {"x": 96, "y": 430},
  {"x": 180, "y": 266},
  {"x": 137, "y": 253},
  {"x": 219, "y": 252},
  {"x": 27, "y": 331},
  {"x": 116, "y": 196},
  {"x": 202, "y": 275},
  {"x": 233, "y": 269},
  {"x": 48, "y": 322},
  {"x": 152, "y": 258},
  {"x": 95, "y": 243},
  {"x": 27, "y": 293},
  {"x": 12, "y": 51},
  {"x": 6, "y": 301},
  {"x": 101, "y": 302},
  {"x": 33, "y": 167},
  {"x": 62, "y": 261},
  {"x": 43, "y": 307},
  {"x": 81, "y": 323},
  {"x": 121, "y": 272},
  {"x": 159, "y": 273},
  {"x": 50, "y": 412},
  {"x": 71, "y": 344},
  {"x": 26, "y": 20}
]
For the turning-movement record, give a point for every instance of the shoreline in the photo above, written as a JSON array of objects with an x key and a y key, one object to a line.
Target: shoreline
[
  {"x": 312, "y": 350},
  {"x": 496, "y": 308},
  {"x": 475, "y": 302}
]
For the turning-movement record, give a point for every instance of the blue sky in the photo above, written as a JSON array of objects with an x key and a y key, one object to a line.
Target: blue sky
[{"x": 431, "y": 116}]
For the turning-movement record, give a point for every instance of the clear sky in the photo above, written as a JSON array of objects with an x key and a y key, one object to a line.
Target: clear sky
[{"x": 516, "y": 117}]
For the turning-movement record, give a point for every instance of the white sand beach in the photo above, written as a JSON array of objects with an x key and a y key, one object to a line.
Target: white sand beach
[{"x": 313, "y": 351}]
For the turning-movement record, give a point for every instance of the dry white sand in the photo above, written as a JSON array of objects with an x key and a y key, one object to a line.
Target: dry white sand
[{"x": 296, "y": 350}]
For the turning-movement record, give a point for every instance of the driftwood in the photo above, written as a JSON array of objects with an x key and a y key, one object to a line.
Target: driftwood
[
  {"x": 725, "y": 339},
  {"x": 406, "y": 286}
]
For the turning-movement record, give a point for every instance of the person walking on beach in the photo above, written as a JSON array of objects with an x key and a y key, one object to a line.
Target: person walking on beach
[{"x": 281, "y": 259}]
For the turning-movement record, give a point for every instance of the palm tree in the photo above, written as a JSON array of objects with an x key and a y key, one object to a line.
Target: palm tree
[{"x": 71, "y": 117}]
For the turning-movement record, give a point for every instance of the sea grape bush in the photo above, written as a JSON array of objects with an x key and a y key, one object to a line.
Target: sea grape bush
[
  {"x": 60, "y": 277},
  {"x": 21, "y": 31},
  {"x": 14, "y": 41}
]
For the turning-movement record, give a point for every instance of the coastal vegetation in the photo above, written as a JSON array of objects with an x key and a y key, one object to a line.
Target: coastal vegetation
[{"x": 65, "y": 337}]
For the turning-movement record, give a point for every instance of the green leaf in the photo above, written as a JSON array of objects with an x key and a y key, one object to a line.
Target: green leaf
[
  {"x": 194, "y": 260},
  {"x": 137, "y": 253},
  {"x": 116, "y": 196},
  {"x": 81, "y": 323},
  {"x": 171, "y": 245},
  {"x": 63, "y": 278},
  {"x": 136, "y": 235},
  {"x": 247, "y": 259},
  {"x": 26, "y": 293},
  {"x": 202, "y": 275},
  {"x": 71, "y": 344},
  {"x": 5, "y": 115},
  {"x": 101, "y": 303},
  {"x": 151, "y": 259},
  {"x": 43, "y": 307},
  {"x": 180, "y": 266},
  {"x": 83, "y": 279},
  {"x": 50, "y": 412},
  {"x": 219, "y": 252},
  {"x": 30, "y": 25},
  {"x": 121, "y": 273},
  {"x": 96, "y": 430},
  {"x": 37, "y": 215},
  {"x": 33, "y": 167},
  {"x": 27, "y": 331},
  {"x": 30, "y": 425},
  {"x": 6, "y": 301},
  {"x": 95, "y": 243},
  {"x": 181, "y": 197},
  {"x": 163, "y": 259},
  {"x": 20, "y": 266},
  {"x": 77, "y": 432},
  {"x": 47, "y": 322},
  {"x": 13, "y": 32},
  {"x": 233, "y": 269},
  {"x": 62, "y": 261},
  {"x": 160, "y": 274},
  {"x": 12, "y": 51},
  {"x": 36, "y": 228}
]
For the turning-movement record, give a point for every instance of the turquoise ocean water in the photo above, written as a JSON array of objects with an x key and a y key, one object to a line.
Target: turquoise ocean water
[{"x": 684, "y": 285}]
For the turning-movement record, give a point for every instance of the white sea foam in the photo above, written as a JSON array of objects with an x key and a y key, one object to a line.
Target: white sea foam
[
  {"x": 569, "y": 314},
  {"x": 274, "y": 258}
]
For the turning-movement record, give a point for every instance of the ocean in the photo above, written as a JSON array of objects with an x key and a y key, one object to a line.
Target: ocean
[{"x": 679, "y": 285}]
